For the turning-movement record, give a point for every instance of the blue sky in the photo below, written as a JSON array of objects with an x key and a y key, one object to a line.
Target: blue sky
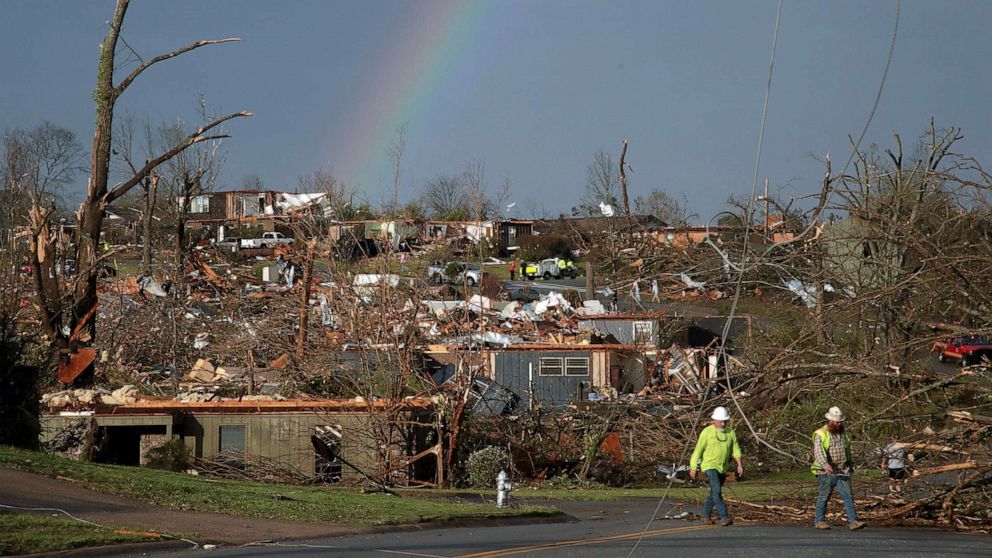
[{"x": 533, "y": 89}]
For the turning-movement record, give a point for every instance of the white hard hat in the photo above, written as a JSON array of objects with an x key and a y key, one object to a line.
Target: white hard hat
[
  {"x": 834, "y": 414},
  {"x": 720, "y": 413}
]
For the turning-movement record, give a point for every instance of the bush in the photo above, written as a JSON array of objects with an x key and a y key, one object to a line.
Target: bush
[
  {"x": 170, "y": 456},
  {"x": 19, "y": 396},
  {"x": 485, "y": 464}
]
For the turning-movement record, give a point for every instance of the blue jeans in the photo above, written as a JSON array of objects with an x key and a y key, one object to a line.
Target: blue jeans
[
  {"x": 716, "y": 495},
  {"x": 843, "y": 486}
]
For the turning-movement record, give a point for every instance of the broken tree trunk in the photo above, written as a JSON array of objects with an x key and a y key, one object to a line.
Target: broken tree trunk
[
  {"x": 151, "y": 192},
  {"x": 623, "y": 179},
  {"x": 78, "y": 300},
  {"x": 301, "y": 339}
]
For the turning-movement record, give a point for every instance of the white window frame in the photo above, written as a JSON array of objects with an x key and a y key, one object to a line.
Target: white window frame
[
  {"x": 200, "y": 204},
  {"x": 637, "y": 334},
  {"x": 577, "y": 366},
  {"x": 551, "y": 363}
]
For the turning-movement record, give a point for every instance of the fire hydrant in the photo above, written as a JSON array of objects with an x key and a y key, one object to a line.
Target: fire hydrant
[{"x": 503, "y": 488}]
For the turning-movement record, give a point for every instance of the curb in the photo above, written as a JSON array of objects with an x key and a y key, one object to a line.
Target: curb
[{"x": 112, "y": 550}]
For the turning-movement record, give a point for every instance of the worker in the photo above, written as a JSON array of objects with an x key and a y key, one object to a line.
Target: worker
[
  {"x": 513, "y": 270},
  {"x": 561, "y": 267},
  {"x": 716, "y": 445},
  {"x": 833, "y": 467},
  {"x": 894, "y": 463}
]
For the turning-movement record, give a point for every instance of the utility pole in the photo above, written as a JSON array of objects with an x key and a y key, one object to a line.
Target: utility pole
[{"x": 766, "y": 209}]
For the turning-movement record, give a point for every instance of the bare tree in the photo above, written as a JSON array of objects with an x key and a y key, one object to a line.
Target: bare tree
[
  {"x": 601, "y": 184},
  {"x": 44, "y": 159},
  {"x": 75, "y": 309},
  {"x": 189, "y": 174},
  {"x": 664, "y": 206},
  {"x": 396, "y": 152},
  {"x": 36, "y": 165},
  {"x": 446, "y": 198},
  {"x": 252, "y": 182}
]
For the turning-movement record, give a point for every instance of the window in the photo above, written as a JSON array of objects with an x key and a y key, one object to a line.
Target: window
[
  {"x": 643, "y": 331},
  {"x": 327, "y": 452},
  {"x": 232, "y": 439},
  {"x": 577, "y": 366},
  {"x": 551, "y": 366},
  {"x": 200, "y": 204}
]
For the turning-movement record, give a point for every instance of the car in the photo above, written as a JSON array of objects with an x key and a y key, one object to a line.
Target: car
[
  {"x": 230, "y": 243},
  {"x": 470, "y": 273},
  {"x": 966, "y": 349},
  {"x": 455, "y": 273}
]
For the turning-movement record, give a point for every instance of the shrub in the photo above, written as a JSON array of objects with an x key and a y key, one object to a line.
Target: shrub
[
  {"x": 485, "y": 464},
  {"x": 170, "y": 456}
]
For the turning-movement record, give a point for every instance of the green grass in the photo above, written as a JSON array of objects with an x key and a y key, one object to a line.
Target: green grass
[
  {"x": 768, "y": 487},
  {"x": 179, "y": 491},
  {"x": 22, "y": 533}
]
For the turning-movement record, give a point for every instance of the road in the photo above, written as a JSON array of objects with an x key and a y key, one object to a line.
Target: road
[{"x": 612, "y": 530}]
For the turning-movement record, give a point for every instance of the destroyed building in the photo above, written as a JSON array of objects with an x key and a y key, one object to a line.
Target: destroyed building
[{"x": 320, "y": 439}]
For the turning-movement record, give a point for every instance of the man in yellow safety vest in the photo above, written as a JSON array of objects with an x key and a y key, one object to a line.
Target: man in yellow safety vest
[
  {"x": 832, "y": 466},
  {"x": 716, "y": 445}
]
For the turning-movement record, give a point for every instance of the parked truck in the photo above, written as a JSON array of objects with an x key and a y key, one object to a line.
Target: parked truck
[
  {"x": 555, "y": 268},
  {"x": 966, "y": 349},
  {"x": 270, "y": 239}
]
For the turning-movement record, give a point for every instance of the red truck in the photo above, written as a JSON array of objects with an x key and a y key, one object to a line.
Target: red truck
[{"x": 966, "y": 349}]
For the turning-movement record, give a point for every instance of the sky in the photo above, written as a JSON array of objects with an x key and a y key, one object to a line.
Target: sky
[{"x": 530, "y": 88}]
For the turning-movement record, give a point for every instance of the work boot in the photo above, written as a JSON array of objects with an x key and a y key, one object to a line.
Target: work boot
[
  {"x": 710, "y": 521},
  {"x": 857, "y": 525},
  {"x": 822, "y": 525},
  {"x": 727, "y": 522}
]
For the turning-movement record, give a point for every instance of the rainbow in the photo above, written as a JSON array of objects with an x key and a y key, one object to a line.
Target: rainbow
[{"x": 432, "y": 49}]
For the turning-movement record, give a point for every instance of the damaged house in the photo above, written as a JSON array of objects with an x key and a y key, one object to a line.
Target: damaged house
[
  {"x": 328, "y": 440},
  {"x": 556, "y": 375}
]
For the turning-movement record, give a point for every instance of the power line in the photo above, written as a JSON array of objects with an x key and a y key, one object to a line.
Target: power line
[
  {"x": 881, "y": 87},
  {"x": 740, "y": 277}
]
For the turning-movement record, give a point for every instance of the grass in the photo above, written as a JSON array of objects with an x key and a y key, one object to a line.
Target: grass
[
  {"x": 22, "y": 533},
  {"x": 342, "y": 505},
  {"x": 768, "y": 487}
]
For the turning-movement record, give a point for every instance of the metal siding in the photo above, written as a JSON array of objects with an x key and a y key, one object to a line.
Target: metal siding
[
  {"x": 512, "y": 373},
  {"x": 285, "y": 437}
]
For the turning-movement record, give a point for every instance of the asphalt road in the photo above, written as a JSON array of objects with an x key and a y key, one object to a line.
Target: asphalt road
[{"x": 612, "y": 530}]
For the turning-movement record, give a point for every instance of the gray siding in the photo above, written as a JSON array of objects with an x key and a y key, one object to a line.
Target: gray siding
[
  {"x": 512, "y": 371},
  {"x": 623, "y": 330}
]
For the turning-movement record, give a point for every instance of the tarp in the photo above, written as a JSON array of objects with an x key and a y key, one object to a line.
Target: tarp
[
  {"x": 441, "y": 307},
  {"x": 289, "y": 202},
  {"x": 496, "y": 338},
  {"x": 479, "y": 303},
  {"x": 370, "y": 279},
  {"x": 698, "y": 285},
  {"x": 551, "y": 300}
]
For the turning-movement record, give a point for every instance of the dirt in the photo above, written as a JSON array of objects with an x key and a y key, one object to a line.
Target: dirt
[{"x": 34, "y": 491}]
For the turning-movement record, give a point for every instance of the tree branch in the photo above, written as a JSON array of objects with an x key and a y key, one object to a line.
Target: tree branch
[
  {"x": 196, "y": 137},
  {"x": 145, "y": 65}
]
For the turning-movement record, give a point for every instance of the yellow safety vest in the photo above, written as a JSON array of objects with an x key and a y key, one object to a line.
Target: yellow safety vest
[{"x": 822, "y": 435}]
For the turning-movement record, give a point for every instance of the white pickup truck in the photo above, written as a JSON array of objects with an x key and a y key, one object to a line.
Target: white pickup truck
[{"x": 270, "y": 239}]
